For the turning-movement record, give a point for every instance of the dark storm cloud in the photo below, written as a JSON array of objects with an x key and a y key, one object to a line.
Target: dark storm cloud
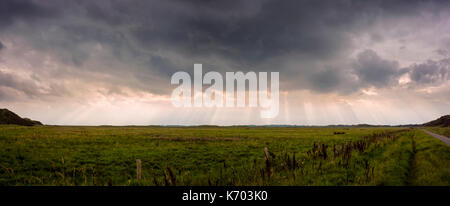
[
  {"x": 372, "y": 70},
  {"x": 375, "y": 71},
  {"x": 326, "y": 80},
  {"x": 32, "y": 87},
  {"x": 11, "y": 81},
  {"x": 249, "y": 34},
  {"x": 1, "y": 45},
  {"x": 25, "y": 10},
  {"x": 241, "y": 35},
  {"x": 431, "y": 72},
  {"x": 163, "y": 65},
  {"x": 258, "y": 30}
]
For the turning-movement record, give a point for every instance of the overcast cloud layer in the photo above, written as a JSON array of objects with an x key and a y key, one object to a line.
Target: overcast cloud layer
[{"x": 110, "y": 62}]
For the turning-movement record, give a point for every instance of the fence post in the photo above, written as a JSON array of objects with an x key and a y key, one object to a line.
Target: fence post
[
  {"x": 138, "y": 168},
  {"x": 266, "y": 153}
]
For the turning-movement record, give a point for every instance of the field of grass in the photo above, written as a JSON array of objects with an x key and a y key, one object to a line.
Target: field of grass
[
  {"x": 440, "y": 130},
  {"x": 63, "y": 155}
]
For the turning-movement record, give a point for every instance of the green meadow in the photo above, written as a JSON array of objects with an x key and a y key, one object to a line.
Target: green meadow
[{"x": 104, "y": 155}]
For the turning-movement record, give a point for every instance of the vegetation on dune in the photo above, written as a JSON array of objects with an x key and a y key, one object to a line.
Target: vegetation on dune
[
  {"x": 52, "y": 155},
  {"x": 8, "y": 117},
  {"x": 443, "y": 121}
]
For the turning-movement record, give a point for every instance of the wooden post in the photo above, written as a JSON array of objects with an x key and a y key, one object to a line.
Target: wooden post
[
  {"x": 138, "y": 169},
  {"x": 268, "y": 163},
  {"x": 266, "y": 153}
]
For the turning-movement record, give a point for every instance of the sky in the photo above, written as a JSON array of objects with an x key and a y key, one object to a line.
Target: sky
[{"x": 110, "y": 62}]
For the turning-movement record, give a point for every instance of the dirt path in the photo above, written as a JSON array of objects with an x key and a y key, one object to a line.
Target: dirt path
[{"x": 443, "y": 138}]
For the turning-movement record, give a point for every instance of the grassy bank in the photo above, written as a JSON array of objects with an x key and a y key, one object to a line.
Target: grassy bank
[
  {"x": 431, "y": 162},
  {"x": 445, "y": 131}
]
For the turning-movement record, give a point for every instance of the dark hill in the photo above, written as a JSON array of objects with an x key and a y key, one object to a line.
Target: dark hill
[
  {"x": 443, "y": 121},
  {"x": 8, "y": 117}
]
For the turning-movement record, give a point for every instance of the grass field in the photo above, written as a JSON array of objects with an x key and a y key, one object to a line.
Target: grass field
[{"x": 63, "y": 155}]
